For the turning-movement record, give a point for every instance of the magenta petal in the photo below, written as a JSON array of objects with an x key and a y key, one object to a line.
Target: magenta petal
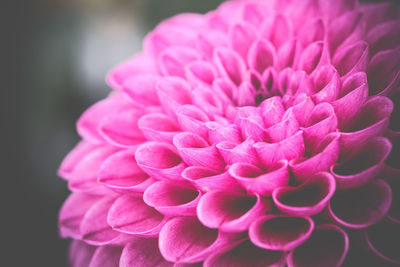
[
  {"x": 121, "y": 173},
  {"x": 290, "y": 148},
  {"x": 261, "y": 55},
  {"x": 246, "y": 254},
  {"x": 261, "y": 182},
  {"x": 371, "y": 120},
  {"x": 351, "y": 59},
  {"x": 363, "y": 206},
  {"x": 218, "y": 133},
  {"x": 394, "y": 212},
  {"x": 84, "y": 175},
  {"x": 321, "y": 121},
  {"x": 195, "y": 151},
  {"x": 200, "y": 72},
  {"x": 280, "y": 232},
  {"x": 382, "y": 239},
  {"x": 143, "y": 252},
  {"x": 327, "y": 246},
  {"x": 352, "y": 96},
  {"x": 94, "y": 227},
  {"x": 160, "y": 160},
  {"x": 121, "y": 128},
  {"x": 272, "y": 110},
  {"x": 283, "y": 129},
  {"x": 185, "y": 239},
  {"x": 384, "y": 36},
  {"x": 287, "y": 54},
  {"x": 314, "y": 55},
  {"x": 193, "y": 119},
  {"x": 80, "y": 253},
  {"x": 158, "y": 127},
  {"x": 327, "y": 84},
  {"x": 72, "y": 213},
  {"x": 106, "y": 256},
  {"x": 172, "y": 93},
  {"x": 172, "y": 61},
  {"x": 311, "y": 32},
  {"x": 230, "y": 64},
  {"x": 279, "y": 31},
  {"x": 250, "y": 123},
  {"x": 172, "y": 199},
  {"x": 129, "y": 214},
  {"x": 364, "y": 165},
  {"x": 142, "y": 89},
  {"x": 206, "y": 179},
  {"x": 229, "y": 211},
  {"x": 322, "y": 158},
  {"x": 309, "y": 198},
  {"x": 245, "y": 94},
  {"x": 205, "y": 98},
  {"x": 242, "y": 36},
  {"x": 243, "y": 152},
  {"x": 301, "y": 108}
]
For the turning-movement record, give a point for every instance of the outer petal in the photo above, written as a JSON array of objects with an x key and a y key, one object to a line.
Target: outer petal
[
  {"x": 328, "y": 246},
  {"x": 80, "y": 253},
  {"x": 106, "y": 256},
  {"x": 280, "y": 232},
  {"x": 307, "y": 199}
]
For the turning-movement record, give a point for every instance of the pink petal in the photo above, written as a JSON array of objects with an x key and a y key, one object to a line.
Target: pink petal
[
  {"x": 142, "y": 252},
  {"x": 287, "y": 54},
  {"x": 160, "y": 160},
  {"x": 106, "y": 256},
  {"x": 258, "y": 181},
  {"x": 283, "y": 129},
  {"x": 230, "y": 64},
  {"x": 290, "y": 148},
  {"x": 394, "y": 212},
  {"x": 261, "y": 55},
  {"x": 243, "y": 152},
  {"x": 226, "y": 90},
  {"x": 185, "y": 239},
  {"x": 351, "y": 59},
  {"x": 121, "y": 129},
  {"x": 72, "y": 213},
  {"x": 173, "y": 60},
  {"x": 142, "y": 89},
  {"x": 382, "y": 239},
  {"x": 253, "y": 14},
  {"x": 383, "y": 71},
  {"x": 242, "y": 36},
  {"x": 334, "y": 9},
  {"x": 363, "y": 206},
  {"x": 121, "y": 173},
  {"x": 371, "y": 120},
  {"x": 321, "y": 159},
  {"x": 246, "y": 254},
  {"x": 207, "y": 179},
  {"x": 218, "y": 133},
  {"x": 192, "y": 119},
  {"x": 206, "y": 99},
  {"x": 352, "y": 96},
  {"x": 364, "y": 165},
  {"x": 158, "y": 127},
  {"x": 384, "y": 36},
  {"x": 172, "y": 199},
  {"x": 279, "y": 30},
  {"x": 94, "y": 227},
  {"x": 376, "y": 13},
  {"x": 130, "y": 215},
  {"x": 200, "y": 72},
  {"x": 302, "y": 107},
  {"x": 245, "y": 95},
  {"x": 280, "y": 232},
  {"x": 272, "y": 111},
  {"x": 172, "y": 93},
  {"x": 309, "y": 198},
  {"x": 314, "y": 55},
  {"x": 195, "y": 151},
  {"x": 327, "y": 246},
  {"x": 84, "y": 176},
  {"x": 230, "y": 212},
  {"x": 251, "y": 124},
  {"x": 88, "y": 123},
  {"x": 311, "y": 32},
  {"x": 327, "y": 84},
  {"x": 321, "y": 121},
  {"x": 80, "y": 253}
]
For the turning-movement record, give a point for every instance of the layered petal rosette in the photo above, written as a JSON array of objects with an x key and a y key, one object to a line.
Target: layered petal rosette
[{"x": 263, "y": 133}]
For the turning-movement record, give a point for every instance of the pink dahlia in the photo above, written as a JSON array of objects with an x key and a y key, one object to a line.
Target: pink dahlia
[{"x": 264, "y": 133}]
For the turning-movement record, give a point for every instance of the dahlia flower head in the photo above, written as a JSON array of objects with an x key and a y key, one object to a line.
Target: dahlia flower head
[{"x": 263, "y": 133}]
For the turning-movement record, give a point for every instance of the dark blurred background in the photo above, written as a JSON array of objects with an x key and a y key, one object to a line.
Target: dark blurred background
[{"x": 55, "y": 55}]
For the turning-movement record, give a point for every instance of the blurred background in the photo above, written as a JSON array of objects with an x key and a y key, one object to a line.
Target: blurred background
[{"x": 55, "y": 55}]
